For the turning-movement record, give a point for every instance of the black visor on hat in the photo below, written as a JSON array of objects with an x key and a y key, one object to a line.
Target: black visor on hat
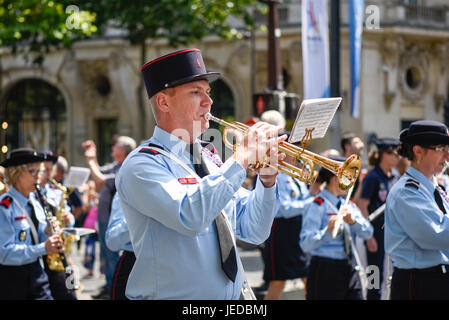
[
  {"x": 21, "y": 156},
  {"x": 387, "y": 143},
  {"x": 175, "y": 69},
  {"x": 425, "y": 133},
  {"x": 48, "y": 156}
]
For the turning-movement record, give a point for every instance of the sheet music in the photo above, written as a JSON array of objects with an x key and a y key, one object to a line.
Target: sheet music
[
  {"x": 76, "y": 177},
  {"x": 78, "y": 232},
  {"x": 314, "y": 114}
]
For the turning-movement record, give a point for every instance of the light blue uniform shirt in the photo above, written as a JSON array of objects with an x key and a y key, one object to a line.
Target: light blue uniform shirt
[
  {"x": 171, "y": 221},
  {"x": 314, "y": 236},
  {"x": 294, "y": 198},
  {"x": 416, "y": 231},
  {"x": 13, "y": 224},
  {"x": 117, "y": 234}
]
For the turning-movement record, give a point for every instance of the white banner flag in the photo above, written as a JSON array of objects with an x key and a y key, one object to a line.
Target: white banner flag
[{"x": 315, "y": 49}]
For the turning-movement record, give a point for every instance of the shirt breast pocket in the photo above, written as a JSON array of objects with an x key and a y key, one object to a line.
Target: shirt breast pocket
[{"x": 21, "y": 228}]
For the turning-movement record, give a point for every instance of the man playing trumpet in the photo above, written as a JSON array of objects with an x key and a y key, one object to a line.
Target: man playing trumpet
[{"x": 174, "y": 190}]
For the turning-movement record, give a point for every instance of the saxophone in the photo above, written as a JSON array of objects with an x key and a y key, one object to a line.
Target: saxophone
[{"x": 54, "y": 261}]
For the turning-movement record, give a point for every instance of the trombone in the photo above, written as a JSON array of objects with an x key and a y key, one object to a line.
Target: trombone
[{"x": 347, "y": 172}]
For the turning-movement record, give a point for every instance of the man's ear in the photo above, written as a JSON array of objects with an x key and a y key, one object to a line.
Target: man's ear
[{"x": 162, "y": 102}]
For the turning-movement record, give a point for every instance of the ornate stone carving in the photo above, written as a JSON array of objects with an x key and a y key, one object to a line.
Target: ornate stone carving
[
  {"x": 414, "y": 72},
  {"x": 243, "y": 52},
  {"x": 94, "y": 73},
  {"x": 440, "y": 52},
  {"x": 390, "y": 50}
]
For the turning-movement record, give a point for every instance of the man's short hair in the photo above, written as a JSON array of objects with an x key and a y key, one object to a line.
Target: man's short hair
[
  {"x": 62, "y": 164},
  {"x": 346, "y": 138},
  {"x": 126, "y": 143}
]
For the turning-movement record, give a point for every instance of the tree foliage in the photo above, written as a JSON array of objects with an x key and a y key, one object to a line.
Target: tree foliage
[
  {"x": 38, "y": 25},
  {"x": 178, "y": 21}
]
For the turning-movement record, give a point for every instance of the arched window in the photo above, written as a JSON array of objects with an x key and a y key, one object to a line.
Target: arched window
[{"x": 35, "y": 114}]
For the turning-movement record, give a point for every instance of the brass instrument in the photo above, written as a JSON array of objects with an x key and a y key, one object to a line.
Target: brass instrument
[
  {"x": 68, "y": 239},
  {"x": 56, "y": 261},
  {"x": 346, "y": 172}
]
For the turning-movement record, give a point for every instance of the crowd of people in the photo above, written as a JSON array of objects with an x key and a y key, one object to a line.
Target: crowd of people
[{"x": 167, "y": 213}]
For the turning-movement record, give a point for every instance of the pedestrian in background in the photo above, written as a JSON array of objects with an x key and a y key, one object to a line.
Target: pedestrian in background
[{"x": 104, "y": 178}]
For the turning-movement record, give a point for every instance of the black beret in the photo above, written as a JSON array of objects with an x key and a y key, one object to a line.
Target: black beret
[
  {"x": 425, "y": 133},
  {"x": 174, "y": 69},
  {"x": 21, "y": 156},
  {"x": 49, "y": 156},
  {"x": 386, "y": 143}
]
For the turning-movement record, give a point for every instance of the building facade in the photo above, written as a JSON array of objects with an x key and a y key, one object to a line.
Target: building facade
[{"x": 92, "y": 91}]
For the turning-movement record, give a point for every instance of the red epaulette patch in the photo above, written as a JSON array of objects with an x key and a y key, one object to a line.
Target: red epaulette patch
[
  {"x": 19, "y": 218},
  {"x": 187, "y": 180},
  {"x": 149, "y": 151},
  {"x": 6, "y": 202},
  {"x": 319, "y": 201}
]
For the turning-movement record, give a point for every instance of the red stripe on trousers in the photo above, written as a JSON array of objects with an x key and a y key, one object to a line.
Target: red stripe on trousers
[{"x": 117, "y": 271}]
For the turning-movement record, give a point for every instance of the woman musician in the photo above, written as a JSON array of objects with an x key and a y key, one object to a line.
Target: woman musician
[
  {"x": 24, "y": 234},
  {"x": 332, "y": 275},
  {"x": 416, "y": 220}
]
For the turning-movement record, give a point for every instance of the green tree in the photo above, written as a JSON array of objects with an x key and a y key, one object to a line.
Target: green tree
[
  {"x": 180, "y": 22},
  {"x": 39, "y": 25},
  {"x": 34, "y": 27}
]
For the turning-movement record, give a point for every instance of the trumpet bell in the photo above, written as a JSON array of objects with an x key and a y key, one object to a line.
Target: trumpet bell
[{"x": 349, "y": 172}]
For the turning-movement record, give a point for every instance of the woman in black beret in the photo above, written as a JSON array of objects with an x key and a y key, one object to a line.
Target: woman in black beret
[
  {"x": 416, "y": 220},
  {"x": 24, "y": 234}
]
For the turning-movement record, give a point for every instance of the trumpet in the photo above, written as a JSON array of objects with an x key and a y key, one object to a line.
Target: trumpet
[{"x": 347, "y": 172}]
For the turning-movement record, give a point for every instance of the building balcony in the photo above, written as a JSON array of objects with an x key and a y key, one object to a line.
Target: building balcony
[{"x": 391, "y": 13}]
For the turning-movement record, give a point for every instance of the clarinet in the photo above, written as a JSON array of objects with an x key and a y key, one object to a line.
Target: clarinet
[{"x": 62, "y": 256}]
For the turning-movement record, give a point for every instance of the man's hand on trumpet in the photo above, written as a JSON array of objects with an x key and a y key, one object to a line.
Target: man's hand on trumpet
[{"x": 259, "y": 148}]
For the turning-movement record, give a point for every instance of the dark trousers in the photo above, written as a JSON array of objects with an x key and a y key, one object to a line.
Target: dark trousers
[
  {"x": 109, "y": 257},
  {"x": 377, "y": 258},
  {"x": 122, "y": 271},
  {"x": 420, "y": 284},
  {"x": 59, "y": 284},
  {"x": 331, "y": 279},
  {"x": 283, "y": 257},
  {"x": 25, "y": 282}
]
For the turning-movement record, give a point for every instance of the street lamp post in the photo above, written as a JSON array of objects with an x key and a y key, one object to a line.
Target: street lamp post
[
  {"x": 274, "y": 96},
  {"x": 275, "y": 81}
]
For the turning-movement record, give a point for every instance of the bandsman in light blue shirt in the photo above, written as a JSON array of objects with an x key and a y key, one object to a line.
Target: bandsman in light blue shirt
[
  {"x": 54, "y": 200},
  {"x": 24, "y": 235},
  {"x": 117, "y": 238},
  {"x": 170, "y": 210},
  {"x": 51, "y": 192},
  {"x": 416, "y": 219},
  {"x": 331, "y": 272},
  {"x": 117, "y": 234},
  {"x": 283, "y": 257}
]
